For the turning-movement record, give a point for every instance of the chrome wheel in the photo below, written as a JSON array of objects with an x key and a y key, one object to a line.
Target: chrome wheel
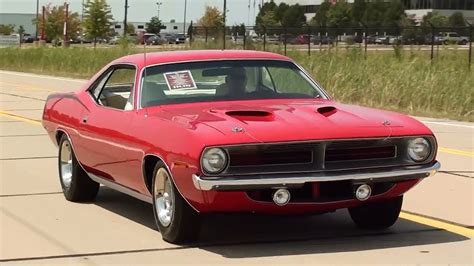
[
  {"x": 66, "y": 163},
  {"x": 163, "y": 197}
]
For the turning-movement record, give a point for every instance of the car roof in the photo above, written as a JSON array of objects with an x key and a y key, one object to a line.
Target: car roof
[{"x": 196, "y": 55}]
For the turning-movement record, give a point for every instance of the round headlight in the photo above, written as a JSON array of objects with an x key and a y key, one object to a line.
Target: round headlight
[
  {"x": 214, "y": 160},
  {"x": 419, "y": 149}
]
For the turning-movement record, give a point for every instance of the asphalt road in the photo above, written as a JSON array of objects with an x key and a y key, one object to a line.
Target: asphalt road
[{"x": 38, "y": 226}]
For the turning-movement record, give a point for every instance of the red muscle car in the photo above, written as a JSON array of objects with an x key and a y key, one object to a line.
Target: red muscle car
[{"x": 195, "y": 132}]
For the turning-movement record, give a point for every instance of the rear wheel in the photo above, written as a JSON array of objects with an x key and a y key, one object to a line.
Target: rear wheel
[
  {"x": 177, "y": 221},
  {"x": 75, "y": 183},
  {"x": 377, "y": 215}
]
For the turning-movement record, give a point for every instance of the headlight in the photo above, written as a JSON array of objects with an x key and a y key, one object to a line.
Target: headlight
[
  {"x": 419, "y": 149},
  {"x": 214, "y": 160}
]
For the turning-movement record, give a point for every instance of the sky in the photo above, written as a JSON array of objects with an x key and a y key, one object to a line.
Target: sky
[{"x": 143, "y": 10}]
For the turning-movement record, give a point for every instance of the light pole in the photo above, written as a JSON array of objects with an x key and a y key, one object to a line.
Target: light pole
[
  {"x": 66, "y": 15},
  {"x": 224, "y": 15},
  {"x": 184, "y": 24},
  {"x": 158, "y": 4}
]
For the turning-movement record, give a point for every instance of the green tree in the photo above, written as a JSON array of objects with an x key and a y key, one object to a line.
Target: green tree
[
  {"x": 212, "y": 19},
  {"x": 340, "y": 15},
  {"x": 130, "y": 28},
  {"x": 436, "y": 19},
  {"x": 7, "y": 29},
  {"x": 238, "y": 30},
  {"x": 293, "y": 17},
  {"x": 374, "y": 13},
  {"x": 280, "y": 11},
  {"x": 394, "y": 13},
  {"x": 154, "y": 26},
  {"x": 358, "y": 10},
  {"x": 98, "y": 19},
  {"x": 321, "y": 17},
  {"x": 266, "y": 16},
  {"x": 21, "y": 30},
  {"x": 457, "y": 20},
  {"x": 54, "y": 23}
]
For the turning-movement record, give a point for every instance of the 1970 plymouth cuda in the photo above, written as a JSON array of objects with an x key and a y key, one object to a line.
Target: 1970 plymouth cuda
[{"x": 195, "y": 132}]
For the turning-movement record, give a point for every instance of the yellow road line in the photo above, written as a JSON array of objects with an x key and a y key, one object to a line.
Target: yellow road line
[
  {"x": 23, "y": 87},
  {"x": 456, "y": 151},
  {"x": 20, "y": 118},
  {"x": 460, "y": 230}
]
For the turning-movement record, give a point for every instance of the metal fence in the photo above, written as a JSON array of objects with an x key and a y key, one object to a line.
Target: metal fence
[{"x": 310, "y": 39}]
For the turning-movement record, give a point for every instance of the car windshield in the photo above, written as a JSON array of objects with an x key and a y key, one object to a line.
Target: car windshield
[{"x": 225, "y": 80}]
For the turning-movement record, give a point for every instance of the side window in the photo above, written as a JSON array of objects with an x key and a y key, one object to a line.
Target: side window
[{"x": 115, "y": 90}]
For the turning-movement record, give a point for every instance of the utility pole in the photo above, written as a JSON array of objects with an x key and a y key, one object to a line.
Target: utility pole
[
  {"x": 125, "y": 20},
  {"x": 43, "y": 23},
  {"x": 184, "y": 25},
  {"x": 37, "y": 19},
  {"x": 158, "y": 8}
]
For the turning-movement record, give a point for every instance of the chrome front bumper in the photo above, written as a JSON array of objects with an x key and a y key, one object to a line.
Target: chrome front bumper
[{"x": 288, "y": 180}]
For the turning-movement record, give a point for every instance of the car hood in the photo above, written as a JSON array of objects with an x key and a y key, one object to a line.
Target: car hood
[{"x": 288, "y": 120}]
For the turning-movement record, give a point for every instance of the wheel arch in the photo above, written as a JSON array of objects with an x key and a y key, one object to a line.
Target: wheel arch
[{"x": 148, "y": 166}]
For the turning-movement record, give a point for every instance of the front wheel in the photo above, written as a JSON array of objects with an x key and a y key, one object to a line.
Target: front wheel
[
  {"x": 177, "y": 221},
  {"x": 377, "y": 215}
]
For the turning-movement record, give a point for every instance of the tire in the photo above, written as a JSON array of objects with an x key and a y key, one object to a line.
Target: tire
[
  {"x": 77, "y": 186},
  {"x": 463, "y": 42},
  {"x": 377, "y": 215},
  {"x": 184, "y": 223}
]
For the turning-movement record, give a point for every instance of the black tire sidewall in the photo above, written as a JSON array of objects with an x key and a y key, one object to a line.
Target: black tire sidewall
[
  {"x": 377, "y": 215},
  {"x": 82, "y": 188},
  {"x": 67, "y": 190},
  {"x": 184, "y": 222}
]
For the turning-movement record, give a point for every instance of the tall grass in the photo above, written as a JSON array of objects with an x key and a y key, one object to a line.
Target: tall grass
[{"x": 405, "y": 81}]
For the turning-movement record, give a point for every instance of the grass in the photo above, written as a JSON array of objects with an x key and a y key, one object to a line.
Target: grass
[{"x": 405, "y": 81}]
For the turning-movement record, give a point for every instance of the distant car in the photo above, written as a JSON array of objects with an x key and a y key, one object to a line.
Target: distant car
[
  {"x": 371, "y": 39},
  {"x": 145, "y": 37},
  {"x": 272, "y": 39},
  {"x": 155, "y": 40},
  {"x": 453, "y": 37},
  {"x": 302, "y": 39},
  {"x": 322, "y": 40},
  {"x": 197, "y": 132},
  {"x": 179, "y": 38},
  {"x": 169, "y": 38},
  {"x": 114, "y": 40},
  {"x": 28, "y": 38}
]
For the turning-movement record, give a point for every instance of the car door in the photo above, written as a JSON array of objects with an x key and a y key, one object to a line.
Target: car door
[{"x": 107, "y": 142}]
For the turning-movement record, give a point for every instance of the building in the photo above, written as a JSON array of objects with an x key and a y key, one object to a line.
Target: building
[
  {"x": 415, "y": 8},
  {"x": 168, "y": 27},
  {"x": 25, "y": 20},
  {"x": 420, "y": 8}
]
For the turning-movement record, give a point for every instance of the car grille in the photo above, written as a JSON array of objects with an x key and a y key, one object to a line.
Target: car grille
[
  {"x": 314, "y": 156},
  {"x": 360, "y": 153}
]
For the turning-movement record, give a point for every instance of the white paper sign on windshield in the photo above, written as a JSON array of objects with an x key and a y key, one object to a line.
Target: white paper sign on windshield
[{"x": 180, "y": 80}]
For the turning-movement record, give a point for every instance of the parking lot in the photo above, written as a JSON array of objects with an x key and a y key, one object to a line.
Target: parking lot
[{"x": 38, "y": 226}]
